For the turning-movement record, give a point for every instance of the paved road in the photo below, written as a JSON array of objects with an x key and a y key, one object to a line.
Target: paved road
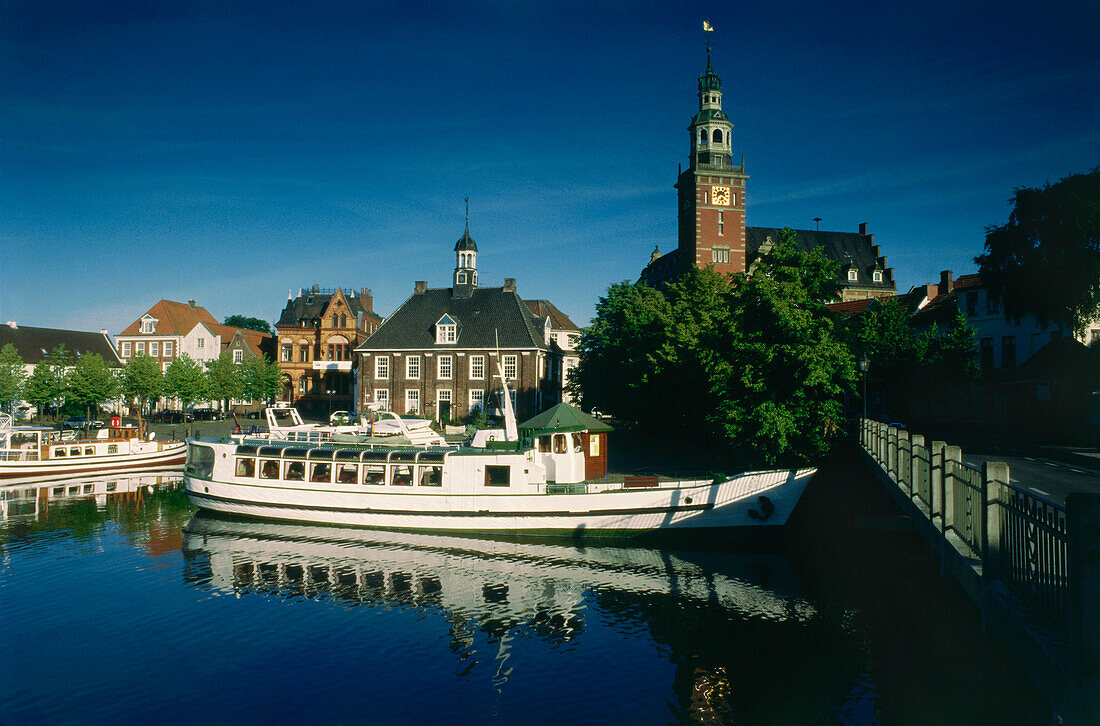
[{"x": 1048, "y": 478}]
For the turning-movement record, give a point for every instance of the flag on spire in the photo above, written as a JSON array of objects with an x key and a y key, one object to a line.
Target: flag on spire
[{"x": 708, "y": 27}]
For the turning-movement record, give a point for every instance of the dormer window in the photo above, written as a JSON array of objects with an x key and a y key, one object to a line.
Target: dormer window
[
  {"x": 853, "y": 274},
  {"x": 149, "y": 325},
  {"x": 446, "y": 330},
  {"x": 877, "y": 275}
]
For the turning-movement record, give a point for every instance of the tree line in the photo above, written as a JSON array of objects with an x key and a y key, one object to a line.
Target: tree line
[
  {"x": 756, "y": 362},
  {"x": 88, "y": 382}
]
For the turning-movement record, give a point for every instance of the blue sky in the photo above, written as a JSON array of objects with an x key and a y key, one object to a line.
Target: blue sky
[{"x": 229, "y": 152}]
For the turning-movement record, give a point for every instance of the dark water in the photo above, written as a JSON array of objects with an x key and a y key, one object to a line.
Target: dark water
[{"x": 126, "y": 607}]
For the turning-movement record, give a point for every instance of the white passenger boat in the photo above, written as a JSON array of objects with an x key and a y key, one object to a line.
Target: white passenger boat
[{"x": 32, "y": 453}]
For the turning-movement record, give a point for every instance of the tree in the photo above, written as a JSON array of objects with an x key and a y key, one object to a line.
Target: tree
[
  {"x": 47, "y": 381},
  {"x": 260, "y": 378},
  {"x": 91, "y": 382},
  {"x": 777, "y": 367},
  {"x": 142, "y": 379},
  {"x": 1046, "y": 259},
  {"x": 948, "y": 357},
  {"x": 223, "y": 379},
  {"x": 185, "y": 379},
  {"x": 619, "y": 351},
  {"x": 895, "y": 349},
  {"x": 240, "y": 321},
  {"x": 13, "y": 374}
]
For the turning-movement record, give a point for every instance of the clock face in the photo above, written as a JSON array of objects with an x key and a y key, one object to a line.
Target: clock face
[{"x": 721, "y": 195}]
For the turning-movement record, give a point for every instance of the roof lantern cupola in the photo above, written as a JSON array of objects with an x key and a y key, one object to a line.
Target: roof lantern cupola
[
  {"x": 465, "y": 275},
  {"x": 711, "y": 130}
]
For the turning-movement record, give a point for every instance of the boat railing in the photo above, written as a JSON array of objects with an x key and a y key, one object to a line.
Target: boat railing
[{"x": 25, "y": 454}]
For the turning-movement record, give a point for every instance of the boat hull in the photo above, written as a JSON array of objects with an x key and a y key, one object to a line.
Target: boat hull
[
  {"x": 169, "y": 456},
  {"x": 756, "y": 499}
]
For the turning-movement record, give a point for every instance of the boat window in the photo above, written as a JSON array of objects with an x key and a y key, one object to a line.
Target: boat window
[
  {"x": 246, "y": 467},
  {"x": 200, "y": 461},
  {"x": 431, "y": 476},
  {"x": 544, "y": 444},
  {"x": 112, "y": 448},
  {"x": 89, "y": 488},
  {"x": 321, "y": 473},
  {"x": 59, "y": 452},
  {"x": 497, "y": 476},
  {"x": 577, "y": 445},
  {"x": 89, "y": 451},
  {"x": 269, "y": 469},
  {"x": 295, "y": 471},
  {"x": 347, "y": 473},
  {"x": 112, "y": 486},
  {"x": 374, "y": 474},
  {"x": 402, "y": 475},
  {"x": 74, "y": 451},
  {"x": 560, "y": 445},
  {"x": 74, "y": 490}
]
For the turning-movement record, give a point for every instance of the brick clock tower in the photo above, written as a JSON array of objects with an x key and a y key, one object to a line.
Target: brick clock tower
[{"x": 712, "y": 190}]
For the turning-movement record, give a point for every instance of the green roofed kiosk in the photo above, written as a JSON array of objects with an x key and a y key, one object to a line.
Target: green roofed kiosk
[{"x": 551, "y": 430}]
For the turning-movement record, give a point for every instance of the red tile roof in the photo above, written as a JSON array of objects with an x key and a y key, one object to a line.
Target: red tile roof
[{"x": 174, "y": 318}]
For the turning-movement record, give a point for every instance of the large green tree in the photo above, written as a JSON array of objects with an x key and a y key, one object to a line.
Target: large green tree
[
  {"x": 223, "y": 379},
  {"x": 143, "y": 380},
  {"x": 1046, "y": 259},
  {"x": 620, "y": 358},
  {"x": 260, "y": 378},
  {"x": 241, "y": 321},
  {"x": 92, "y": 383},
  {"x": 185, "y": 379},
  {"x": 47, "y": 382},
  {"x": 778, "y": 367},
  {"x": 12, "y": 376}
]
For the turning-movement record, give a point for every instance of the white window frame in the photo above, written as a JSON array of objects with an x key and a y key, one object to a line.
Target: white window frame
[
  {"x": 445, "y": 367},
  {"x": 382, "y": 398},
  {"x": 125, "y": 349},
  {"x": 477, "y": 399},
  {"x": 445, "y": 333},
  {"x": 154, "y": 348},
  {"x": 238, "y": 356},
  {"x": 139, "y": 347},
  {"x": 381, "y": 367},
  {"x": 412, "y": 367},
  {"x": 510, "y": 361},
  {"x": 443, "y": 394},
  {"x": 412, "y": 400},
  {"x": 877, "y": 276},
  {"x": 302, "y": 386},
  {"x": 169, "y": 349},
  {"x": 200, "y": 343},
  {"x": 477, "y": 362},
  {"x": 853, "y": 275}
]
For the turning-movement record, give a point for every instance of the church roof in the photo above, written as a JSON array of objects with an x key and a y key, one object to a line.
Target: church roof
[
  {"x": 844, "y": 248},
  {"x": 488, "y": 318}
]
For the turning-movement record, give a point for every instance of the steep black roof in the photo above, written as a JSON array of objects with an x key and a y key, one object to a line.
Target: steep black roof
[
  {"x": 490, "y": 317},
  {"x": 311, "y": 306},
  {"x": 845, "y": 248},
  {"x": 466, "y": 242},
  {"x": 34, "y": 343}
]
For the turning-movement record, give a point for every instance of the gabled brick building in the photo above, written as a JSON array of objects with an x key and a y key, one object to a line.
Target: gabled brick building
[
  {"x": 438, "y": 354},
  {"x": 317, "y": 334}
]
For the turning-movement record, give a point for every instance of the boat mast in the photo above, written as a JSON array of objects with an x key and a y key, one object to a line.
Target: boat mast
[{"x": 511, "y": 430}]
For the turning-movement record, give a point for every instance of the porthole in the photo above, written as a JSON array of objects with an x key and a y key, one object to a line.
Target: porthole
[{"x": 688, "y": 500}]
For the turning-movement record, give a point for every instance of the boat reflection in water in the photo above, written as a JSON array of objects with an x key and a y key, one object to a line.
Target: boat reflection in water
[
  {"x": 745, "y": 644},
  {"x": 37, "y": 498}
]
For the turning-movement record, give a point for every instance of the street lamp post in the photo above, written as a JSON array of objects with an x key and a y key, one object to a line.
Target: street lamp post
[{"x": 864, "y": 366}]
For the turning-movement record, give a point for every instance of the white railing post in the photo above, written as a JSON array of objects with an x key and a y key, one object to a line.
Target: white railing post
[
  {"x": 952, "y": 454},
  {"x": 994, "y": 474}
]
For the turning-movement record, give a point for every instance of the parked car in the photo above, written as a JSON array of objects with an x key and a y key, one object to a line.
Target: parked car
[
  {"x": 169, "y": 415},
  {"x": 80, "y": 422},
  {"x": 206, "y": 414},
  {"x": 341, "y": 418}
]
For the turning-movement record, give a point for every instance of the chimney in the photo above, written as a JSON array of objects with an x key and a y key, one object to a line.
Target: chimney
[
  {"x": 945, "y": 282},
  {"x": 316, "y": 288},
  {"x": 420, "y": 288},
  {"x": 12, "y": 325},
  {"x": 289, "y": 295},
  {"x": 509, "y": 284},
  {"x": 366, "y": 298},
  {"x": 863, "y": 228},
  {"x": 191, "y": 303}
]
